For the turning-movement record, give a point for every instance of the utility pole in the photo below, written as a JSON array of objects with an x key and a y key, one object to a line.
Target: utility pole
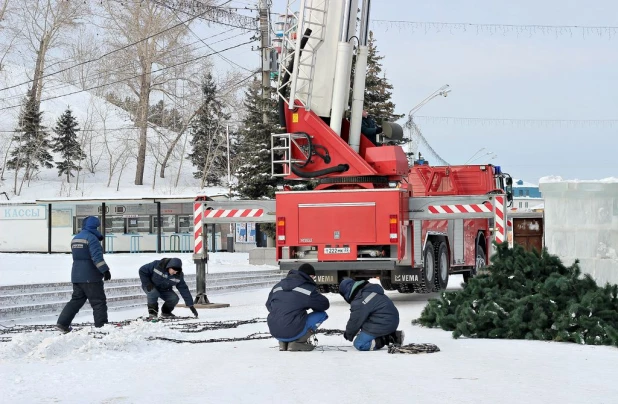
[
  {"x": 265, "y": 48},
  {"x": 229, "y": 172}
]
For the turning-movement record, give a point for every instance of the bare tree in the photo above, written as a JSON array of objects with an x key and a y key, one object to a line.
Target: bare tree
[
  {"x": 45, "y": 22},
  {"x": 123, "y": 158},
  {"x": 6, "y": 143},
  {"x": 191, "y": 105},
  {"x": 84, "y": 75},
  {"x": 7, "y": 36},
  {"x": 118, "y": 154},
  {"x": 150, "y": 26}
]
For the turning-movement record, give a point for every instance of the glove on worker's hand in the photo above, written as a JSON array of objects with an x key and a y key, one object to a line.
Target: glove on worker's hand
[
  {"x": 107, "y": 276},
  {"x": 149, "y": 287}
]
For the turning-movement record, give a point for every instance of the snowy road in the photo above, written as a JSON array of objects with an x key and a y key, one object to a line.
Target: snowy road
[{"x": 123, "y": 367}]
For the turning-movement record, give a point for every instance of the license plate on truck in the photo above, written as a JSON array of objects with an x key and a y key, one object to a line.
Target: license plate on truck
[{"x": 337, "y": 250}]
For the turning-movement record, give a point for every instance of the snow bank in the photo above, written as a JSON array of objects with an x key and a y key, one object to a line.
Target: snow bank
[{"x": 88, "y": 343}]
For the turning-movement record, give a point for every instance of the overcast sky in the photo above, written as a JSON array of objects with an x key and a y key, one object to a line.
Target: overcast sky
[{"x": 540, "y": 75}]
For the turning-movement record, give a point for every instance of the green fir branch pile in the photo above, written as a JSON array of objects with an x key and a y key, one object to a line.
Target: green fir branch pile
[{"x": 529, "y": 295}]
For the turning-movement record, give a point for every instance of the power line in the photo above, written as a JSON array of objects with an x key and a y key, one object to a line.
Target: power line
[
  {"x": 516, "y": 122},
  {"x": 132, "y": 77},
  {"x": 519, "y": 29},
  {"x": 122, "y": 68},
  {"x": 230, "y": 89},
  {"x": 195, "y": 35},
  {"x": 222, "y": 13},
  {"x": 108, "y": 53}
]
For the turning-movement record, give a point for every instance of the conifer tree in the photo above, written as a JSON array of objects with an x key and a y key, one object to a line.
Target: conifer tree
[
  {"x": 253, "y": 147},
  {"x": 378, "y": 90},
  {"x": 529, "y": 295},
  {"x": 32, "y": 143},
  {"x": 65, "y": 143},
  {"x": 208, "y": 136}
]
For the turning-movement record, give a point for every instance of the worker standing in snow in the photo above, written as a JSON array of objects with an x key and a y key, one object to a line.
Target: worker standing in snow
[
  {"x": 87, "y": 275},
  {"x": 158, "y": 278},
  {"x": 287, "y": 306},
  {"x": 372, "y": 313}
]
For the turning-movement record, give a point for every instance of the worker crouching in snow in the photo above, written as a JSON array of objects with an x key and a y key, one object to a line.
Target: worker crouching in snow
[
  {"x": 372, "y": 313},
  {"x": 158, "y": 278},
  {"x": 287, "y": 306}
]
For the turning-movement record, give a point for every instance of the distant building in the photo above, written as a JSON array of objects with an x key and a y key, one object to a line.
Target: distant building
[{"x": 526, "y": 195}]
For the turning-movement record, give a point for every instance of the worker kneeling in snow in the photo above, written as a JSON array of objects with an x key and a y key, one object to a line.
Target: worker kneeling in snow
[
  {"x": 287, "y": 306},
  {"x": 158, "y": 278},
  {"x": 372, "y": 313}
]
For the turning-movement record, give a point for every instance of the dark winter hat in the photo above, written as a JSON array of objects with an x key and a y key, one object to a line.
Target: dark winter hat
[
  {"x": 307, "y": 268},
  {"x": 345, "y": 288},
  {"x": 174, "y": 263},
  {"x": 91, "y": 222}
]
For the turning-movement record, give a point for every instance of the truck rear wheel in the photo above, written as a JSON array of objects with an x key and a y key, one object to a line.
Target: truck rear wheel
[
  {"x": 442, "y": 267},
  {"x": 426, "y": 281},
  {"x": 385, "y": 281},
  {"x": 324, "y": 288},
  {"x": 480, "y": 262}
]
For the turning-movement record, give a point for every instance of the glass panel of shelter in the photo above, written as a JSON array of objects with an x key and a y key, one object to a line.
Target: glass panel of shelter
[
  {"x": 140, "y": 224},
  {"x": 169, "y": 223}
]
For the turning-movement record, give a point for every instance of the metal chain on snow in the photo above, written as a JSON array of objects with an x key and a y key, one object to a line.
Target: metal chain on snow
[
  {"x": 257, "y": 335},
  {"x": 413, "y": 348},
  {"x": 175, "y": 324},
  {"x": 22, "y": 329},
  {"x": 216, "y": 325}
]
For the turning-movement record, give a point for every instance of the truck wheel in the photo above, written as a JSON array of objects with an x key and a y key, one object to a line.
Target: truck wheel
[
  {"x": 428, "y": 270},
  {"x": 324, "y": 289},
  {"x": 386, "y": 282},
  {"x": 480, "y": 262},
  {"x": 405, "y": 288},
  {"x": 442, "y": 267}
]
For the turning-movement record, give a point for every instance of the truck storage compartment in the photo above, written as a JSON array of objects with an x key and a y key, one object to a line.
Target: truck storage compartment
[{"x": 349, "y": 222}]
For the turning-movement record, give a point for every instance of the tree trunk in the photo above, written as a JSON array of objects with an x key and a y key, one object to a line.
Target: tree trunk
[
  {"x": 182, "y": 159},
  {"x": 142, "y": 123},
  {"x": 37, "y": 80},
  {"x": 175, "y": 142},
  {"x": 6, "y": 158},
  {"x": 15, "y": 181}
]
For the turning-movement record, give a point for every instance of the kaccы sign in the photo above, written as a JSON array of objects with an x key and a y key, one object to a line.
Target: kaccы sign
[{"x": 23, "y": 213}]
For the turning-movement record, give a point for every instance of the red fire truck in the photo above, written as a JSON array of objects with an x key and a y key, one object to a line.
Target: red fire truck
[{"x": 369, "y": 213}]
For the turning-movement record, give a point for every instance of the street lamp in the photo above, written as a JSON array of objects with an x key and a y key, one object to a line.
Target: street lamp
[
  {"x": 477, "y": 152},
  {"x": 442, "y": 91},
  {"x": 492, "y": 154}
]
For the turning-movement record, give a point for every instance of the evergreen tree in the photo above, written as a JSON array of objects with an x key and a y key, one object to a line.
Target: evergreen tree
[
  {"x": 529, "y": 295},
  {"x": 65, "y": 142},
  {"x": 32, "y": 141},
  {"x": 378, "y": 91},
  {"x": 209, "y": 137},
  {"x": 253, "y": 147}
]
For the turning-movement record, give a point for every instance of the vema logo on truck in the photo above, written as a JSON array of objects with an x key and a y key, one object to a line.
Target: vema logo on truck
[{"x": 23, "y": 213}]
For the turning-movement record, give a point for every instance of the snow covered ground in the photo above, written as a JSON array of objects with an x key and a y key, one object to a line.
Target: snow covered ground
[
  {"x": 21, "y": 269},
  {"x": 124, "y": 367}
]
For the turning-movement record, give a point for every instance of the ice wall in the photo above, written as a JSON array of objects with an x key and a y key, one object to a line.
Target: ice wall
[{"x": 581, "y": 221}]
